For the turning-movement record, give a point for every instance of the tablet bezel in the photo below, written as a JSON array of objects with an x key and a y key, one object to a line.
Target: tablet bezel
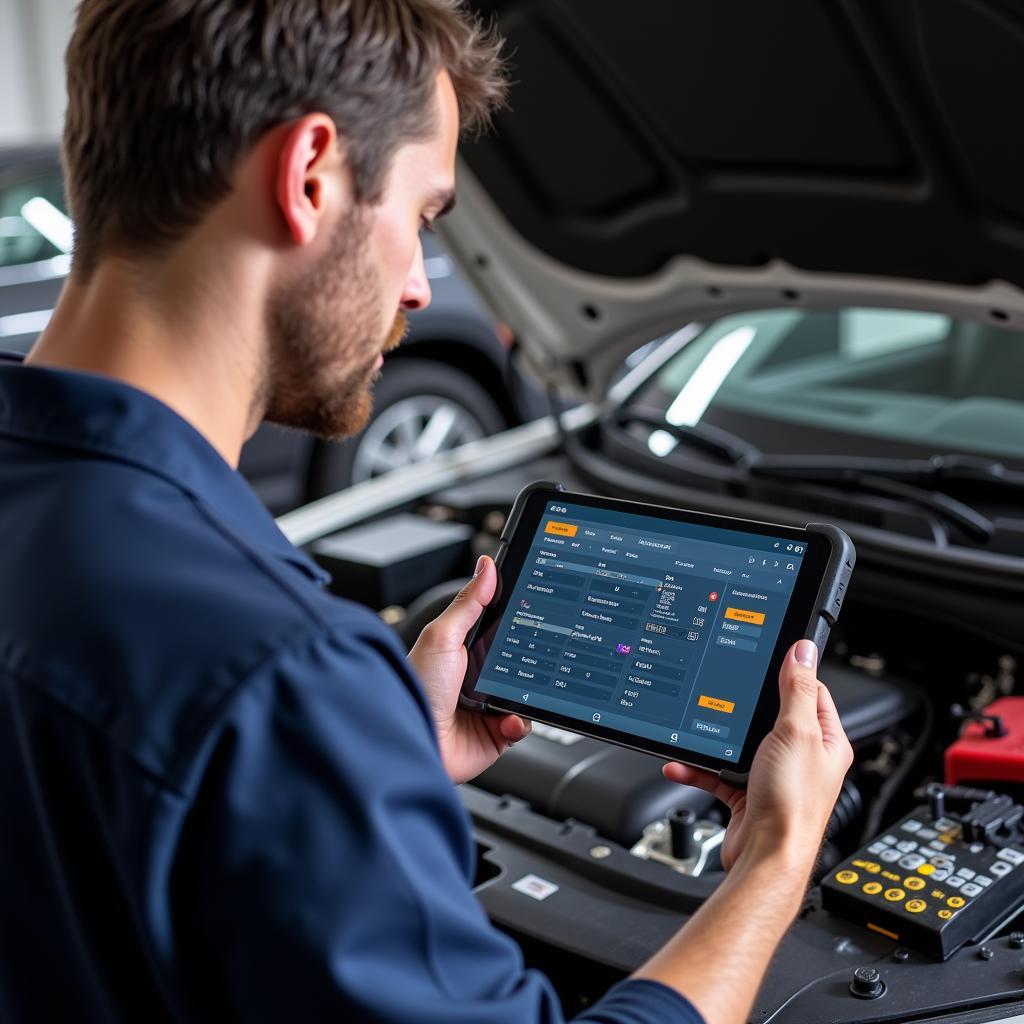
[{"x": 802, "y": 619}]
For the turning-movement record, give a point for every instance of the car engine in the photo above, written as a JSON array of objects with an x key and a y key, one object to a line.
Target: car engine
[{"x": 591, "y": 860}]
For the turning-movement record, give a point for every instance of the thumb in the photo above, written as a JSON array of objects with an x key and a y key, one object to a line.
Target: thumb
[
  {"x": 798, "y": 681},
  {"x": 449, "y": 629}
]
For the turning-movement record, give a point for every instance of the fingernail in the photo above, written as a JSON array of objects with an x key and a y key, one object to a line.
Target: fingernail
[
  {"x": 479, "y": 566},
  {"x": 807, "y": 653}
]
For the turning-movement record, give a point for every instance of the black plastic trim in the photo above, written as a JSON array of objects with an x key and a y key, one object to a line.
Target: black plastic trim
[
  {"x": 835, "y": 585},
  {"x": 515, "y": 514}
]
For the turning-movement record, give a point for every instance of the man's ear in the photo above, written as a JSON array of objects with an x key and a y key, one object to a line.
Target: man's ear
[{"x": 311, "y": 176}]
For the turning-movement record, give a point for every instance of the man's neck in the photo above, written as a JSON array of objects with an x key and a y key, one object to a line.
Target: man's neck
[{"x": 192, "y": 347}]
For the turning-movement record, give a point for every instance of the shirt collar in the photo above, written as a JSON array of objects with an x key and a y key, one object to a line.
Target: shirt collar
[{"x": 105, "y": 417}]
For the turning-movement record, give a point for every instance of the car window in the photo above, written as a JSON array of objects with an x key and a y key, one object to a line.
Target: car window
[
  {"x": 898, "y": 375},
  {"x": 864, "y": 333},
  {"x": 33, "y": 224}
]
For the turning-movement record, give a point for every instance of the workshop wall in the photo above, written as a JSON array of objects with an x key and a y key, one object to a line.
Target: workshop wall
[{"x": 33, "y": 36}]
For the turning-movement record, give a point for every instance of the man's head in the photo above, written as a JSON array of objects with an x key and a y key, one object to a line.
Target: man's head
[{"x": 332, "y": 126}]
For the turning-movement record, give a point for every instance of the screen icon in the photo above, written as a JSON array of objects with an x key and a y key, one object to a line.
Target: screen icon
[
  {"x": 597, "y": 716},
  {"x": 623, "y": 648},
  {"x": 790, "y": 566},
  {"x": 728, "y": 751},
  {"x": 713, "y": 596},
  {"x": 776, "y": 544},
  {"x": 789, "y": 547},
  {"x": 674, "y": 737}
]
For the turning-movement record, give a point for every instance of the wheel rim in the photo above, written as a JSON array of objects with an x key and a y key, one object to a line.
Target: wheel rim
[{"x": 412, "y": 430}]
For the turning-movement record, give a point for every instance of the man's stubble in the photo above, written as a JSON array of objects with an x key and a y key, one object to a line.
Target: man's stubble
[{"x": 323, "y": 339}]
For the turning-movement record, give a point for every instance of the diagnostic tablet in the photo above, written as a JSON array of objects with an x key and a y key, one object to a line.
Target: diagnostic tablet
[{"x": 654, "y": 628}]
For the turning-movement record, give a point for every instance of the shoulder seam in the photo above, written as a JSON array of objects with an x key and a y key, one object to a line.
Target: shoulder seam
[
  {"x": 317, "y": 632},
  {"x": 76, "y": 714},
  {"x": 268, "y": 568},
  {"x": 111, "y": 454}
]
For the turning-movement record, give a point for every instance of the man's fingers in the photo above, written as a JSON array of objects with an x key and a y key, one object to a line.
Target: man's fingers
[
  {"x": 505, "y": 731},
  {"x": 832, "y": 732},
  {"x": 708, "y": 781},
  {"x": 689, "y": 776},
  {"x": 514, "y": 728},
  {"x": 449, "y": 629},
  {"x": 798, "y": 681}
]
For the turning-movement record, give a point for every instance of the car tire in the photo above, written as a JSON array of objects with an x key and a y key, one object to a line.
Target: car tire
[{"x": 409, "y": 392}]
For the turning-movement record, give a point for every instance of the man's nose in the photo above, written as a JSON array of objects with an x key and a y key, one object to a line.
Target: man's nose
[{"x": 416, "y": 294}]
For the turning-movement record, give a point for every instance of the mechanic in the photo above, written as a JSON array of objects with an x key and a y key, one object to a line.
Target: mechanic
[{"x": 228, "y": 795}]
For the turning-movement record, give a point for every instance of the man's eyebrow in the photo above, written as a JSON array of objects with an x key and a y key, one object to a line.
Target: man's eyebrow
[{"x": 444, "y": 200}]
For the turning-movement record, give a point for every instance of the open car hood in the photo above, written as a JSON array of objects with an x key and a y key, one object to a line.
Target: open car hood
[{"x": 662, "y": 162}]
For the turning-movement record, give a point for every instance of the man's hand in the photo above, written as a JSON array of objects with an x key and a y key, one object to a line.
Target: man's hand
[
  {"x": 470, "y": 742},
  {"x": 718, "y": 959},
  {"x": 796, "y": 773}
]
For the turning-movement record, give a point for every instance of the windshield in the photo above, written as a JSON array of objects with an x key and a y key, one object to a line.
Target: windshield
[
  {"x": 33, "y": 225},
  {"x": 847, "y": 381}
]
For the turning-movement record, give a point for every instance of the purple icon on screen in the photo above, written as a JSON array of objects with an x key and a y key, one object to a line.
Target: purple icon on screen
[{"x": 623, "y": 648}]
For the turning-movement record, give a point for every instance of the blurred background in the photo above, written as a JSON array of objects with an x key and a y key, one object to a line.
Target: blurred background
[
  {"x": 33, "y": 35},
  {"x": 450, "y": 383}
]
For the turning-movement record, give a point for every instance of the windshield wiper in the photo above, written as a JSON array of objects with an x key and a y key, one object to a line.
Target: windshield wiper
[
  {"x": 905, "y": 479},
  {"x": 972, "y": 522},
  {"x": 893, "y": 478},
  {"x": 935, "y": 471},
  {"x": 713, "y": 440}
]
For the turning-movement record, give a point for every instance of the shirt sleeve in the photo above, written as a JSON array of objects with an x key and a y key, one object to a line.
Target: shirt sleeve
[{"x": 324, "y": 870}]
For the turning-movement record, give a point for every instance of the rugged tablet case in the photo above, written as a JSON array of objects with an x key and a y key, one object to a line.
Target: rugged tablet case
[
  {"x": 833, "y": 590},
  {"x": 829, "y": 601},
  {"x": 506, "y": 535},
  {"x": 834, "y": 585}
]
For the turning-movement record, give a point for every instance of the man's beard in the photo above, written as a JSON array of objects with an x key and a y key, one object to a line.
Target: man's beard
[{"x": 322, "y": 341}]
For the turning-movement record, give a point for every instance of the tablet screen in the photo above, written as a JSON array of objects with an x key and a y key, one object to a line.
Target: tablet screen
[{"x": 655, "y": 628}]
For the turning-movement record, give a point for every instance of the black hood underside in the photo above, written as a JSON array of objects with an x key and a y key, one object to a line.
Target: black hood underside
[{"x": 869, "y": 137}]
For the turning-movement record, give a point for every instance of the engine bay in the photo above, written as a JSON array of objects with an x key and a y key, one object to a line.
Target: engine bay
[{"x": 591, "y": 860}]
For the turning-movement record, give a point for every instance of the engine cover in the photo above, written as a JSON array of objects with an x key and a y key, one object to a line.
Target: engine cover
[{"x": 563, "y": 775}]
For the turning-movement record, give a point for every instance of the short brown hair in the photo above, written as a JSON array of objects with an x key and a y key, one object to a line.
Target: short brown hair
[{"x": 166, "y": 96}]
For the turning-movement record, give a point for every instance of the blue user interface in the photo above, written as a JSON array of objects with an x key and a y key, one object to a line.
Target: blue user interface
[{"x": 659, "y": 629}]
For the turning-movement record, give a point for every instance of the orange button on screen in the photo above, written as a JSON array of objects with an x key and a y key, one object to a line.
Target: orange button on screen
[
  {"x": 561, "y": 529},
  {"x": 741, "y": 615},
  {"x": 716, "y": 704}
]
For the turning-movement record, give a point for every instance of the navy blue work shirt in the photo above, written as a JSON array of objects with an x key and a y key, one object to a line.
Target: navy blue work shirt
[{"x": 221, "y": 792}]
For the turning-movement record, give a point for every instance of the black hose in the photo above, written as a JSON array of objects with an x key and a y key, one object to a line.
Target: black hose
[
  {"x": 892, "y": 785},
  {"x": 848, "y": 809}
]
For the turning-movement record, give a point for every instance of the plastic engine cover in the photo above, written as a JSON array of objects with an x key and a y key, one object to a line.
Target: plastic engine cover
[{"x": 618, "y": 791}]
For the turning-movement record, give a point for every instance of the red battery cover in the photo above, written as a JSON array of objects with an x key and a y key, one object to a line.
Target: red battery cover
[{"x": 980, "y": 758}]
